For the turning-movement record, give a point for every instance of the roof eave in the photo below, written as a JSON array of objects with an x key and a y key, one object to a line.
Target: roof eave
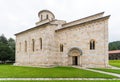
[
  {"x": 30, "y": 29},
  {"x": 106, "y": 17}
]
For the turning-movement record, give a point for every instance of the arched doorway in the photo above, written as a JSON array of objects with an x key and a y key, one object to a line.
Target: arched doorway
[{"x": 74, "y": 56}]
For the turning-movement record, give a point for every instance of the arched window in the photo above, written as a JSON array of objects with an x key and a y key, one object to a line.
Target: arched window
[
  {"x": 25, "y": 46},
  {"x": 41, "y": 17},
  {"x": 20, "y": 46},
  {"x": 92, "y": 44},
  {"x": 33, "y": 45},
  {"x": 61, "y": 47},
  {"x": 46, "y": 16},
  {"x": 41, "y": 43}
]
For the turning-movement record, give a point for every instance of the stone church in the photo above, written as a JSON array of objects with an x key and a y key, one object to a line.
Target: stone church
[{"x": 53, "y": 42}]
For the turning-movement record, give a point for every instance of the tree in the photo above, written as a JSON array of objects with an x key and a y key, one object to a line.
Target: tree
[
  {"x": 4, "y": 52},
  {"x": 7, "y": 49},
  {"x": 3, "y": 56},
  {"x": 11, "y": 44},
  {"x": 114, "y": 45},
  {"x": 3, "y": 39}
]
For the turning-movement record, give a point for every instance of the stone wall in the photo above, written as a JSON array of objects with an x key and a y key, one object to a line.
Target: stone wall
[
  {"x": 39, "y": 56},
  {"x": 79, "y": 36}
]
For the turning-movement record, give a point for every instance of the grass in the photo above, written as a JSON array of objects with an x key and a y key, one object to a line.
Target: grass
[
  {"x": 56, "y": 72},
  {"x": 115, "y": 63},
  {"x": 68, "y": 81}
]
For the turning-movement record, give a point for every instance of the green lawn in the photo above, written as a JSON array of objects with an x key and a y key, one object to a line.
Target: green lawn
[
  {"x": 35, "y": 72},
  {"x": 69, "y": 81},
  {"x": 114, "y": 63}
]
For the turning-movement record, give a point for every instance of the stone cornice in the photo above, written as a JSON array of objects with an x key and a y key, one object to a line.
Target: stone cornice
[
  {"x": 102, "y": 18},
  {"x": 88, "y": 18},
  {"x": 31, "y": 28},
  {"x": 46, "y": 23}
]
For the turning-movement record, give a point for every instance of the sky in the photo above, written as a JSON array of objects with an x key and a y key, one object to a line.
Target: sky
[{"x": 19, "y": 15}]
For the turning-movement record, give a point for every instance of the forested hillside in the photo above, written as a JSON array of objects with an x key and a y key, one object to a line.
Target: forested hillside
[
  {"x": 114, "y": 45},
  {"x": 7, "y": 49}
]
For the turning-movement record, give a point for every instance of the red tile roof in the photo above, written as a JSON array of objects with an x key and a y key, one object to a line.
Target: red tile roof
[{"x": 114, "y": 51}]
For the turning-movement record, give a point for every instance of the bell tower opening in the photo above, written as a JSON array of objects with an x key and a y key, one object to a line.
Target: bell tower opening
[{"x": 45, "y": 16}]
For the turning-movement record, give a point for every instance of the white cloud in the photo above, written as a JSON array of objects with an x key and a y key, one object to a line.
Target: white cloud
[{"x": 18, "y": 15}]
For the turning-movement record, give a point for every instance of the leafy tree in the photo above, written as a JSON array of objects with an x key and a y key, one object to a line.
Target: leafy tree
[
  {"x": 3, "y": 39},
  {"x": 3, "y": 56},
  {"x": 4, "y": 52},
  {"x": 7, "y": 49},
  {"x": 114, "y": 45},
  {"x": 11, "y": 44}
]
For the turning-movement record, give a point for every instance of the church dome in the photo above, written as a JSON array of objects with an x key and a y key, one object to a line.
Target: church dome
[{"x": 46, "y": 14}]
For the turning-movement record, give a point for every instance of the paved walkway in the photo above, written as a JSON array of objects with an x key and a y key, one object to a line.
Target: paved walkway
[
  {"x": 58, "y": 79},
  {"x": 113, "y": 74},
  {"x": 112, "y": 67}
]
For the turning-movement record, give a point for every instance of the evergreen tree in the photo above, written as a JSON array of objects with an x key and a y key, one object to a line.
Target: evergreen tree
[
  {"x": 4, "y": 52},
  {"x": 7, "y": 49},
  {"x": 11, "y": 44},
  {"x": 3, "y": 39},
  {"x": 114, "y": 45}
]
